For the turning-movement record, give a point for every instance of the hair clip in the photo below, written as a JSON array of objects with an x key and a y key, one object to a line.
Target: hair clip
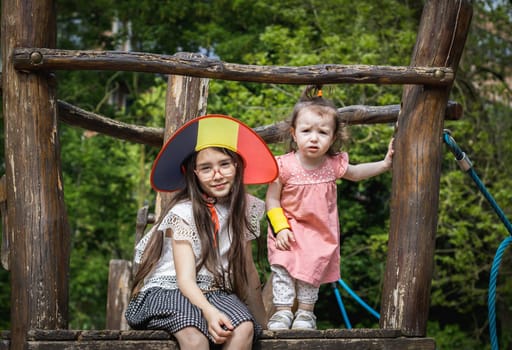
[{"x": 319, "y": 93}]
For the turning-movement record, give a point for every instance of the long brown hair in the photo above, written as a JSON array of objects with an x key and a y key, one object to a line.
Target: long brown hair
[
  {"x": 312, "y": 99},
  {"x": 237, "y": 226}
]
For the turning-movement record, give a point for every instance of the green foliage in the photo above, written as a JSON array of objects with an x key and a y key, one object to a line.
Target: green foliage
[
  {"x": 469, "y": 231},
  {"x": 452, "y": 337},
  {"x": 99, "y": 179},
  {"x": 106, "y": 180},
  {"x": 88, "y": 290},
  {"x": 5, "y": 299}
]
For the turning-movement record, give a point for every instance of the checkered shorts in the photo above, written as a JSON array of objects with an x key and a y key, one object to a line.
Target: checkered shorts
[{"x": 170, "y": 310}]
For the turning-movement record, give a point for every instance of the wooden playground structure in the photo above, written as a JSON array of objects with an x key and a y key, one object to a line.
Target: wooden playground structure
[{"x": 36, "y": 235}]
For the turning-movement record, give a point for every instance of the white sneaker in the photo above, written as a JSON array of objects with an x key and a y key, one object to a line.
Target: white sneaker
[
  {"x": 282, "y": 319},
  {"x": 304, "y": 320}
]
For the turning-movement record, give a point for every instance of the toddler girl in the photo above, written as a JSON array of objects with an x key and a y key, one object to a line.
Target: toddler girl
[{"x": 303, "y": 240}]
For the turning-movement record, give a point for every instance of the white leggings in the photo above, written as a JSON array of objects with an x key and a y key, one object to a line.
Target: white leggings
[{"x": 284, "y": 287}]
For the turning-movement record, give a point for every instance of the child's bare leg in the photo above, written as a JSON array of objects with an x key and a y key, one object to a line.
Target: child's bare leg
[
  {"x": 306, "y": 307},
  {"x": 192, "y": 338},
  {"x": 289, "y": 308},
  {"x": 241, "y": 338}
]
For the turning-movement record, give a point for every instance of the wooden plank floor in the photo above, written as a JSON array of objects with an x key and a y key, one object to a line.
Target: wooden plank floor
[{"x": 330, "y": 339}]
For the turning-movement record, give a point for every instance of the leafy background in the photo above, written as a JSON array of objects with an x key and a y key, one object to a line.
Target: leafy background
[{"x": 106, "y": 180}]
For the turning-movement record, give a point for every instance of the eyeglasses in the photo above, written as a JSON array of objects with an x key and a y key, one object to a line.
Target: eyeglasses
[{"x": 224, "y": 168}]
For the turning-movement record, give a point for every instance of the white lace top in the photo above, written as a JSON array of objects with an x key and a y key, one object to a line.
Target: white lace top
[{"x": 179, "y": 219}]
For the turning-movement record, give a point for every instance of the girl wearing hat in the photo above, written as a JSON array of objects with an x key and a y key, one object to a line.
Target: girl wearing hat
[{"x": 196, "y": 271}]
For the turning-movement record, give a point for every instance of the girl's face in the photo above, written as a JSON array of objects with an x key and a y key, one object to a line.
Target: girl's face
[
  {"x": 313, "y": 133},
  {"x": 215, "y": 171}
]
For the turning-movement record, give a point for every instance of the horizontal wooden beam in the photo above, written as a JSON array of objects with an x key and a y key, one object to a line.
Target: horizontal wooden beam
[
  {"x": 196, "y": 65},
  {"x": 329, "y": 339},
  {"x": 274, "y": 133},
  {"x": 267, "y": 344},
  {"x": 76, "y": 116}
]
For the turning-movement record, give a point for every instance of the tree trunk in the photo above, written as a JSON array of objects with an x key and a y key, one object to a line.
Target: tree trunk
[
  {"x": 36, "y": 216},
  {"x": 416, "y": 171}
]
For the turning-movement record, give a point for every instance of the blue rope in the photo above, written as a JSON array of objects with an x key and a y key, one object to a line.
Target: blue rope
[
  {"x": 342, "y": 307},
  {"x": 356, "y": 298},
  {"x": 491, "y": 301},
  {"x": 466, "y": 165}
]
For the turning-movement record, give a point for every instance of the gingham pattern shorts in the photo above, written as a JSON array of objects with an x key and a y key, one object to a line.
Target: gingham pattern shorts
[{"x": 170, "y": 310}]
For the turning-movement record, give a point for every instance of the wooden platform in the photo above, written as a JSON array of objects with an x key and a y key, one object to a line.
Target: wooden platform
[{"x": 331, "y": 339}]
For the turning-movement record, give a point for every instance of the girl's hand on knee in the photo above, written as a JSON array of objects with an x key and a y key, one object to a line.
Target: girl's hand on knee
[
  {"x": 219, "y": 326},
  {"x": 284, "y": 239}
]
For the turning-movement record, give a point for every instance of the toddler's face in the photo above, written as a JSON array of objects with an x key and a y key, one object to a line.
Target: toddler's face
[{"x": 313, "y": 133}]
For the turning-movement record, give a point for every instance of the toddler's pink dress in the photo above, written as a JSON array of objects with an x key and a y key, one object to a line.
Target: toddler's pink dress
[{"x": 308, "y": 198}]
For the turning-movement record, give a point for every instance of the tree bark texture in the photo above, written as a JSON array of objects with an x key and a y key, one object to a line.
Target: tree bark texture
[
  {"x": 36, "y": 215},
  {"x": 118, "y": 293},
  {"x": 196, "y": 65},
  {"x": 4, "y": 251},
  {"x": 416, "y": 171},
  {"x": 329, "y": 339},
  {"x": 78, "y": 117}
]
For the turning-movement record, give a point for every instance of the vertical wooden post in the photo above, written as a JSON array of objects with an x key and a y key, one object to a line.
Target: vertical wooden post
[
  {"x": 118, "y": 293},
  {"x": 187, "y": 98},
  {"x": 4, "y": 250},
  {"x": 37, "y": 219},
  {"x": 416, "y": 171}
]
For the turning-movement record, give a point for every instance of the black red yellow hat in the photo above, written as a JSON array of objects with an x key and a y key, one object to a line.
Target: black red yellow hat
[{"x": 213, "y": 130}]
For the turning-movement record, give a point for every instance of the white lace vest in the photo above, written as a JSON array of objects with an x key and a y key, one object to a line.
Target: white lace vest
[{"x": 179, "y": 220}]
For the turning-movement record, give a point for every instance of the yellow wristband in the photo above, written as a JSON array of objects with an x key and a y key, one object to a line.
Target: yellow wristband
[{"x": 277, "y": 219}]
